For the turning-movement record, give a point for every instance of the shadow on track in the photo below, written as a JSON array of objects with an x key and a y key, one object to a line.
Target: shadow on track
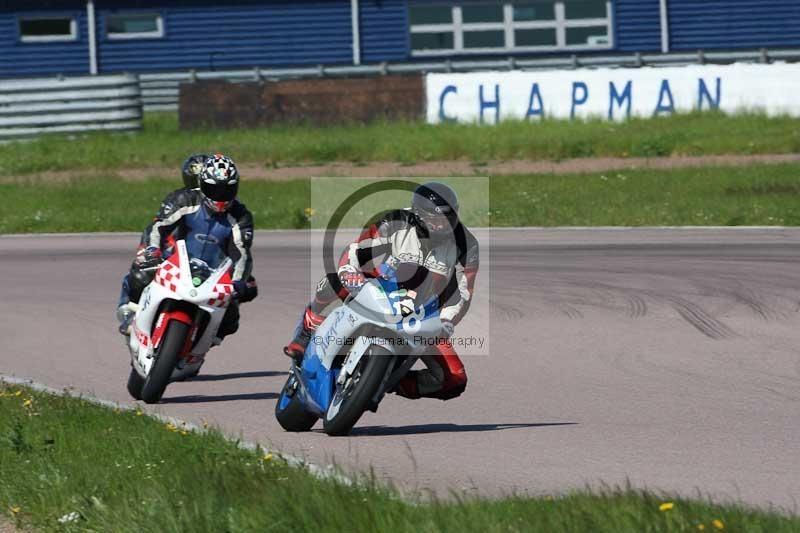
[
  {"x": 199, "y": 398},
  {"x": 239, "y": 375},
  {"x": 380, "y": 431}
]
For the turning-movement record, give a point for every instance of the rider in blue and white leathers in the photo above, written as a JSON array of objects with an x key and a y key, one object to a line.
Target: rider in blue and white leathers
[
  {"x": 191, "y": 170},
  {"x": 210, "y": 220}
]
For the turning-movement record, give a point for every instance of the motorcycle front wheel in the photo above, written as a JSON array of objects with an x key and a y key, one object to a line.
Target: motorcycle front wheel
[
  {"x": 290, "y": 411},
  {"x": 135, "y": 384},
  {"x": 166, "y": 358},
  {"x": 353, "y": 397}
]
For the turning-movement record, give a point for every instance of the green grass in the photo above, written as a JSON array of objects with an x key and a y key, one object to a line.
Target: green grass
[
  {"x": 161, "y": 143},
  {"x": 120, "y": 471},
  {"x": 749, "y": 195}
]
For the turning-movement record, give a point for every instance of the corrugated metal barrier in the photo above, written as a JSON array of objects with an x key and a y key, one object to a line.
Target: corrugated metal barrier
[
  {"x": 159, "y": 91},
  {"x": 31, "y": 107}
]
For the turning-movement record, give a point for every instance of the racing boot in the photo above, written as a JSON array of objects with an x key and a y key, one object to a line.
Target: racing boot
[
  {"x": 125, "y": 314},
  {"x": 408, "y": 386},
  {"x": 305, "y": 329}
]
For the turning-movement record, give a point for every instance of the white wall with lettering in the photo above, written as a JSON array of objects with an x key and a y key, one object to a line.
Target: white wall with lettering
[{"x": 613, "y": 93}]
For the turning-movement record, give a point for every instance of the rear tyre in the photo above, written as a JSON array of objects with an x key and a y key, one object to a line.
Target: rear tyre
[
  {"x": 135, "y": 384},
  {"x": 166, "y": 358},
  {"x": 290, "y": 412},
  {"x": 355, "y": 396}
]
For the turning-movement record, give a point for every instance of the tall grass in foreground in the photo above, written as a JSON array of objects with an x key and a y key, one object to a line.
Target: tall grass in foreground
[
  {"x": 730, "y": 196},
  {"x": 68, "y": 465},
  {"x": 161, "y": 143}
]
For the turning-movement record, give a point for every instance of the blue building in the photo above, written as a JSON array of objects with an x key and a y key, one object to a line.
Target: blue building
[{"x": 105, "y": 36}]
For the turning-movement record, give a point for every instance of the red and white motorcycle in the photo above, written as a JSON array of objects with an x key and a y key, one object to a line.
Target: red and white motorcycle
[{"x": 176, "y": 322}]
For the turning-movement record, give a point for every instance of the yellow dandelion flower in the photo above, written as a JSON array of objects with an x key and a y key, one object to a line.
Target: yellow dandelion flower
[
  {"x": 171, "y": 427},
  {"x": 309, "y": 211},
  {"x": 666, "y": 506},
  {"x": 139, "y": 412},
  {"x": 717, "y": 523},
  {"x": 18, "y": 393},
  {"x": 267, "y": 458},
  {"x": 184, "y": 433},
  {"x": 27, "y": 403},
  {"x": 701, "y": 527},
  {"x": 15, "y": 509}
]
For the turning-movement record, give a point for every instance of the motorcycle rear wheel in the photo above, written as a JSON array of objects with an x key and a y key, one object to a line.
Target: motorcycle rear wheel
[
  {"x": 166, "y": 358},
  {"x": 352, "y": 403}
]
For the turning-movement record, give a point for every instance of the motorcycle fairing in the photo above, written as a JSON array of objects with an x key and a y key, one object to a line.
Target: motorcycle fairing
[
  {"x": 376, "y": 304},
  {"x": 173, "y": 282}
]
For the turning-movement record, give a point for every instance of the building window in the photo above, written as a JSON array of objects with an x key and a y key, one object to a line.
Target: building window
[
  {"x": 486, "y": 27},
  {"x": 47, "y": 29},
  {"x": 134, "y": 26}
]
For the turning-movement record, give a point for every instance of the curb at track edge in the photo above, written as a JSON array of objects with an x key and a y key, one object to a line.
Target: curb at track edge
[{"x": 321, "y": 472}]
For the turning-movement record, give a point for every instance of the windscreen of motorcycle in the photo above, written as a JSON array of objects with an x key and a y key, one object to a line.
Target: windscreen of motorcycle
[
  {"x": 205, "y": 256},
  {"x": 205, "y": 248},
  {"x": 415, "y": 289},
  {"x": 401, "y": 301}
]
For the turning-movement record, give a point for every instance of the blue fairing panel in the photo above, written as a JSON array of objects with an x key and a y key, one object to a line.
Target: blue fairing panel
[{"x": 320, "y": 382}]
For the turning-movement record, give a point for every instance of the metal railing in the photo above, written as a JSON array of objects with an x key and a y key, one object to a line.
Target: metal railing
[
  {"x": 30, "y": 107},
  {"x": 160, "y": 90}
]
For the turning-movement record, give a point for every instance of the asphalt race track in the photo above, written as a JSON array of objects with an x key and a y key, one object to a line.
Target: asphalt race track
[{"x": 669, "y": 358}]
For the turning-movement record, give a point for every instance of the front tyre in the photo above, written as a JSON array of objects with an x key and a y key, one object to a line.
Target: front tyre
[
  {"x": 135, "y": 384},
  {"x": 290, "y": 411},
  {"x": 353, "y": 397},
  {"x": 169, "y": 351}
]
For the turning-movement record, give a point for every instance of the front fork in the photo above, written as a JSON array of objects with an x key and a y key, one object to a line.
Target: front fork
[
  {"x": 301, "y": 389},
  {"x": 391, "y": 379}
]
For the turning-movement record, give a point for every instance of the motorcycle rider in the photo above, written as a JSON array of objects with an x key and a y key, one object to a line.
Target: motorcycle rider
[
  {"x": 190, "y": 174},
  {"x": 430, "y": 234},
  {"x": 210, "y": 214},
  {"x": 191, "y": 169}
]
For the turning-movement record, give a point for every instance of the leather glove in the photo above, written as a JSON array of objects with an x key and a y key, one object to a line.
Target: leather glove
[
  {"x": 447, "y": 329},
  {"x": 352, "y": 279},
  {"x": 246, "y": 291},
  {"x": 148, "y": 257}
]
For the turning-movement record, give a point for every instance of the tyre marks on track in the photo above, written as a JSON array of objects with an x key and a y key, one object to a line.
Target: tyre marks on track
[
  {"x": 709, "y": 295},
  {"x": 506, "y": 311},
  {"x": 700, "y": 319},
  {"x": 637, "y": 306}
]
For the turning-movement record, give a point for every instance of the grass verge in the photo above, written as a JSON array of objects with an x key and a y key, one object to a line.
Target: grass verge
[
  {"x": 69, "y": 465},
  {"x": 729, "y": 196},
  {"x": 161, "y": 143}
]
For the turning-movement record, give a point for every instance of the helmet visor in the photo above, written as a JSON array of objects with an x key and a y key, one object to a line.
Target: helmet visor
[
  {"x": 219, "y": 192},
  {"x": 436, "y": 222},
  {"x": 195, "y": 168}
]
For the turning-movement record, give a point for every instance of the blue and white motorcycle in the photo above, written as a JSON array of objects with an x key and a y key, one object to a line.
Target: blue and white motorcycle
[{"x": 359, "y": 353}]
